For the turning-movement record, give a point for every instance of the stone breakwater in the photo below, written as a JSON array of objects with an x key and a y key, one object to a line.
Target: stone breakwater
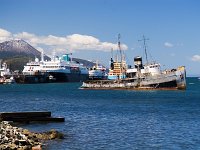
[{"x": 14, "y": 138}]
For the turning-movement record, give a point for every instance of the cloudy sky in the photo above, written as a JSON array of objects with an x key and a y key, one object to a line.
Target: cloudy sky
[{"x": 89, "y": 28}]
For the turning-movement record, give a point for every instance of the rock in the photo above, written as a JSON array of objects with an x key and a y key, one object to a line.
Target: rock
[
  {"x": 14, "y": 138},
  {"x": 55, "y": 134},
  {"x": 13, "y": 146},
  {"x": 38, "y": 147},
  {"x": 23, "y": 142},
  {"x": 26, "y": 132}
]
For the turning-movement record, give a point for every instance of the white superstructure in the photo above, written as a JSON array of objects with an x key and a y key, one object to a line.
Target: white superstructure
[
  {"x": 58, "y": 67},
  {"x": 62, "y": 65},
  {"x": 4, "y": 70},
  {"x": 97, "y": 72}
]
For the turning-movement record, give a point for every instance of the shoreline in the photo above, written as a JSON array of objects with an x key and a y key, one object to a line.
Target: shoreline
[{"x": 18, "y": 138}]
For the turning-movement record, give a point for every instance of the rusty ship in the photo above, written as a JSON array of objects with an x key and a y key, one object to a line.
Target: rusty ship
[{"x": 141, "y": 76}]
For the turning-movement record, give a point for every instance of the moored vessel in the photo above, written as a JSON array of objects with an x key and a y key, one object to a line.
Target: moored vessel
[
  {"x": 5, "y": 74},
  {"x": 141, "y": 76},
  {"x": 98, "y": 72},
  {"x": 58, "y": 69}
]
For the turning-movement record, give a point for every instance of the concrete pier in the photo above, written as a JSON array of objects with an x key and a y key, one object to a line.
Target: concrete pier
[{"x": 27, "y": 117}]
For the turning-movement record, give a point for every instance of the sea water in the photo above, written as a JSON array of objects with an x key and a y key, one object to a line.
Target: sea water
[{"x": 111, "y": 119}]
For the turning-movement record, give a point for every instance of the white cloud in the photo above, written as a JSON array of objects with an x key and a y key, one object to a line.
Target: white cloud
[
  {"x": 4, "y": 35},
  {"x": 196, "y": 58},
  {"x": 62, "y": 44},
  {"x": 169, "y": 45}
]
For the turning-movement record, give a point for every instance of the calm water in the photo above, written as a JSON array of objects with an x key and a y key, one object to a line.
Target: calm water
[{"x": 106, "y": 119}]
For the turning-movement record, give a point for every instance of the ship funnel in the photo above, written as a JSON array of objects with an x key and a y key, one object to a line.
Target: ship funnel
[
  {"x": 138, "y": 62},
  {"x": 66, "y": 57},
  {"x": 111, "y": 64}
]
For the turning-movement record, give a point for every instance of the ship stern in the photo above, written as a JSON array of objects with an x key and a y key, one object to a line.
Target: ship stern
[{"x": 181, "y": 78}]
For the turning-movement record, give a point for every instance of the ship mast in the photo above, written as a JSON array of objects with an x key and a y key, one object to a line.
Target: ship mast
[
  {"x": 111, "y": 52},
  {"x": 119, "y": 36},
  {"x": 42, "y": 55},
  {"x": 145, "y": 46},
  {"x": 120, "y": 50}
]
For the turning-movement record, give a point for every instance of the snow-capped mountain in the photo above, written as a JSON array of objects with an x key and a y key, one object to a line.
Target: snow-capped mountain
[{"x": 18, "y": 46}]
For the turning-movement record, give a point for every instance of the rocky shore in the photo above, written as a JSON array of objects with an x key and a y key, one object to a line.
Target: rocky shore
[{"x": 14, "y": 138}]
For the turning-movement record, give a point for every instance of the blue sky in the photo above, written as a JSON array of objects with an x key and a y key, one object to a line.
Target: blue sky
[{"x": 89, "y": 28}]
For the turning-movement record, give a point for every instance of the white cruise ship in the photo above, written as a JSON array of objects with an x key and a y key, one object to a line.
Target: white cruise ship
[{"x": 59, "y": 69}]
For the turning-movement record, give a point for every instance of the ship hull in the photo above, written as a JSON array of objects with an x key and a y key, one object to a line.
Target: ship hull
[
  {"x": 120, "y": 84},
  {"x": 56, "y": 77},
  {"x": 68, "y": 77},
  {"x": 31, "y": 79}
]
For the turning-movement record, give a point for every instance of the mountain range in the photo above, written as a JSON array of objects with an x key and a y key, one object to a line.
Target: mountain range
[{"x": 16, "y": 53}]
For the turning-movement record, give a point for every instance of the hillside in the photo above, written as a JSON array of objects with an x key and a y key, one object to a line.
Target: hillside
[
  {"x": 17, "y": 62},
  {"x": 86, "y": 63}
]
